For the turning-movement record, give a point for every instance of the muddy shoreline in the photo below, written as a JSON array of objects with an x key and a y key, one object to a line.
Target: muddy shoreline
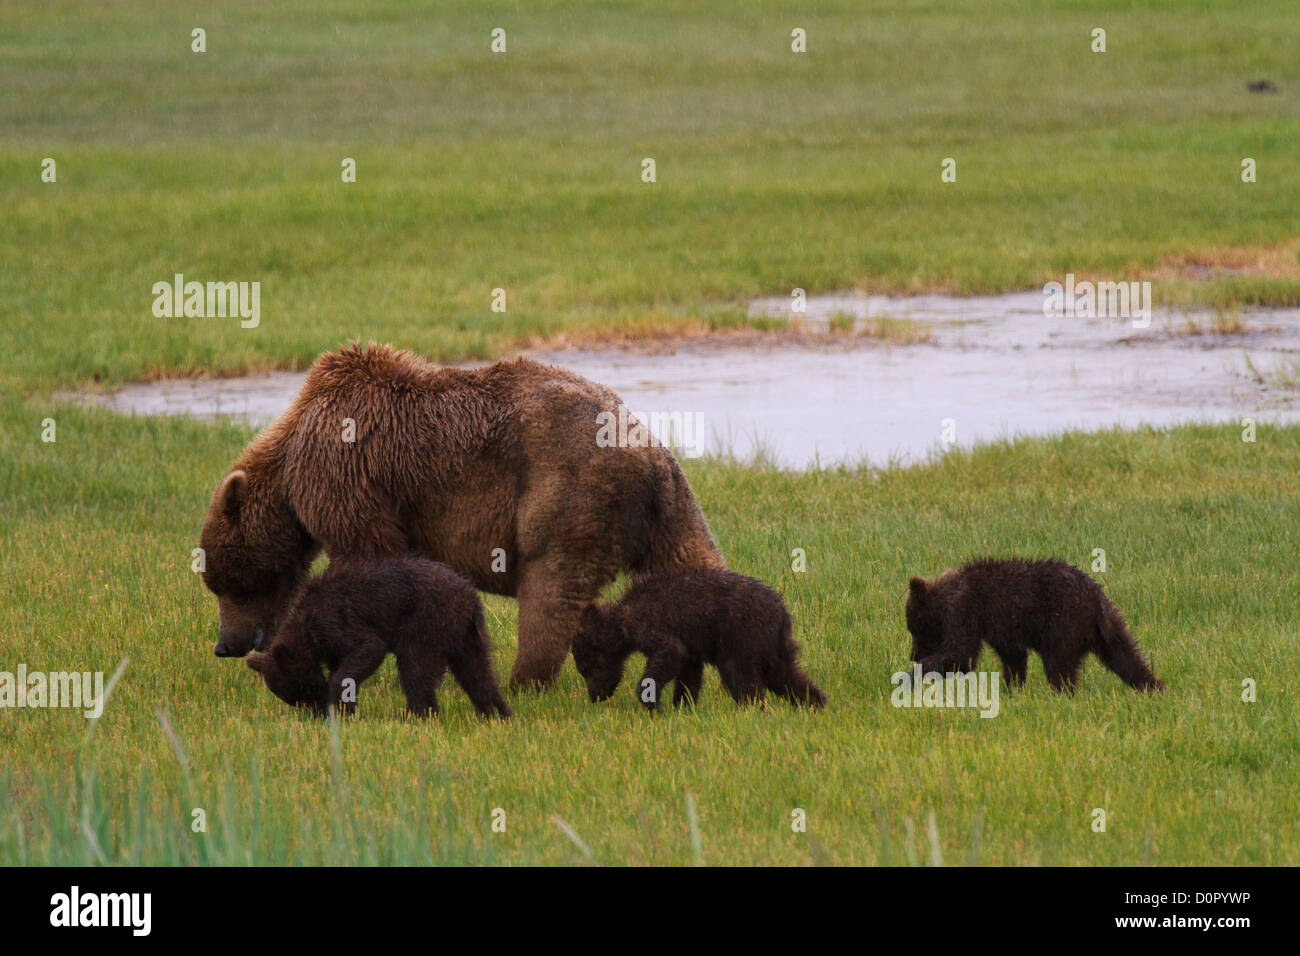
[{"x": 884, "y": 380}]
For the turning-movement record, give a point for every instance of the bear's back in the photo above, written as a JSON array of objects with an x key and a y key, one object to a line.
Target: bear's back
[
  {"x": 1020, "y": 596},
  {"x": 387, "y": 594}
]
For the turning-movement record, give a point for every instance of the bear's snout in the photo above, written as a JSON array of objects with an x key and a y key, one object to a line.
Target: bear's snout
[
  {"x": 245, "y": 627},
  {"x": 234, "y": 644}
]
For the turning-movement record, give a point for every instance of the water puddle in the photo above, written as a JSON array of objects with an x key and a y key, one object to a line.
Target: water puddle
[{"x": 977, "y": 369}]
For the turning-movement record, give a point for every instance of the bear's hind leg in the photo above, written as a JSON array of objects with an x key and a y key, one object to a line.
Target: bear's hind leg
[
  {"x": 473, "y": 671},
  {"x": 420, "y": 674},
  {"x": 784, "y": 675},
  {"x": 1062, "y": 672},
  {"x": 744, "y": 686},
  {"x": 1117, "y": 650},
  {"x": 799, "y": 689},
  {"x": 1125, "y": 661}
]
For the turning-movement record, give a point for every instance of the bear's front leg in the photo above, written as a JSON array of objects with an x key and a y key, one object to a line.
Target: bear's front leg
[
  {"x": 688, "y": 682},
  {"x": 358, "y": 664},
  {"x": 423, "y": 705},
  {"x": 942, "y": 663},
  {"x": 958, "y": 654},
  {"x": 662, "y": 667},
  {"x": 1015, "y": 666},
  {"x": 551, "y": 599}
]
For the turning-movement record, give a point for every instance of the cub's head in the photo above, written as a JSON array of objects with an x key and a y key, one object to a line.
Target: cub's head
[
  {"x": 255, "y": 553},
  {"x": 599, "y": 650},
  {"x": 295, "y": 681},
  {"x": 923, "y": 619}
]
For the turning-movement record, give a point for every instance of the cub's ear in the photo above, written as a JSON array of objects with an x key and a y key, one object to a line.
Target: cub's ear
[
  {"x": 258, "y": 661},
  {"x": 917, "y": 587},
  {"x": 590, "y": 617},
  {"x": 229, "y": 498}
]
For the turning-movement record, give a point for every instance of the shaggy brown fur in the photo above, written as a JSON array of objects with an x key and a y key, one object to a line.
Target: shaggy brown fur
[
  {"x": 1016, "y": 606},
  {"x": 451, "y": 464},
  {"x": 351, "y": 617},
  {"x": 682, "y": 621}
]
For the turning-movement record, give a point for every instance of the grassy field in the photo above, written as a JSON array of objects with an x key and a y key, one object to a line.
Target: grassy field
[
  {"x": 522, "y": 171},
  {"x": 1200, "y": 534}
]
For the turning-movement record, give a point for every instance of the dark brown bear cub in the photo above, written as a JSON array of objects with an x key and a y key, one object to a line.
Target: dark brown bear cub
[
  {"x": 348, "y": 620},
  {"x": 680, "y": 622},
  {"x": 1016, "y": 606}
]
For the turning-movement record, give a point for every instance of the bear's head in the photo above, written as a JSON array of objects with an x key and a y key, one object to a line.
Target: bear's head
[
  {"x": 600, "y": 649},
  {"x": 255, "y": 553},
  {"x": 924, "y": 619},
  {"x": 297, "y": 682}
]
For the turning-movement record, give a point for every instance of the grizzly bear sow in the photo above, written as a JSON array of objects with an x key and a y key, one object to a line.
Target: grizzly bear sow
[
  {"x": 1017, "y": 606},
  {"x": 682, "y": 621},
  {"x": 350, "y": 618},
  {"x": 494, "y": 471}
]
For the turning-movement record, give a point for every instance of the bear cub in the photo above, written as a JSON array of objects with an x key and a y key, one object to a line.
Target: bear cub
[
  {"x": 1016, "y": 606},
  {"x": 681, "y": 621},
  {"x": 348, "y": 619}
]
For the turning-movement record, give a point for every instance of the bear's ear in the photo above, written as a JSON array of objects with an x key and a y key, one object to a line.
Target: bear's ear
[
  {"x": 230, "y": 496},
  {"x": 917, "y": 587},
  {"x": 590, "y": 617},
  {"x": 258, "y": 661}
]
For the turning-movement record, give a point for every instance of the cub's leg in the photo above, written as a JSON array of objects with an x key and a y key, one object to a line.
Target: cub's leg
[
  {"x": 662, "y": 666},
  {"x": 946, "y": 662},
  {"x": 743, "y": 683},
  {"x": 1115, "y": 647},
  {"x": 785, "y": 676},
  {"x": 1015, "y": 665},
  {"x": 799, "y": 689},
  {"x": 1062, "y": 671},
  {"x": 959, "y": 652},
  {"x": 358, "y": 664},
  {"x": 473, "y": 671},
  {"x": 420, "y": 672},
  {"x": 688, "y": 682},
  {"x": 1126, "y": 662}
]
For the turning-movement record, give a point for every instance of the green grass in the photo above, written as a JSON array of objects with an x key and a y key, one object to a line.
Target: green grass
[
  {"x": 1200, "y": 534},
  {"x": 774, "y": 171},
  {"x": 521, "y": 171}
]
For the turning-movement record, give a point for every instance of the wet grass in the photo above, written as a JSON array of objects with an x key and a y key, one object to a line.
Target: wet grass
[{"x": 1208, "y": 322}]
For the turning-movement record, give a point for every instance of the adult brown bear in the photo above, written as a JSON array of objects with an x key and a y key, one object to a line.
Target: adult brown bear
[{"x": 495, "y": 471}]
